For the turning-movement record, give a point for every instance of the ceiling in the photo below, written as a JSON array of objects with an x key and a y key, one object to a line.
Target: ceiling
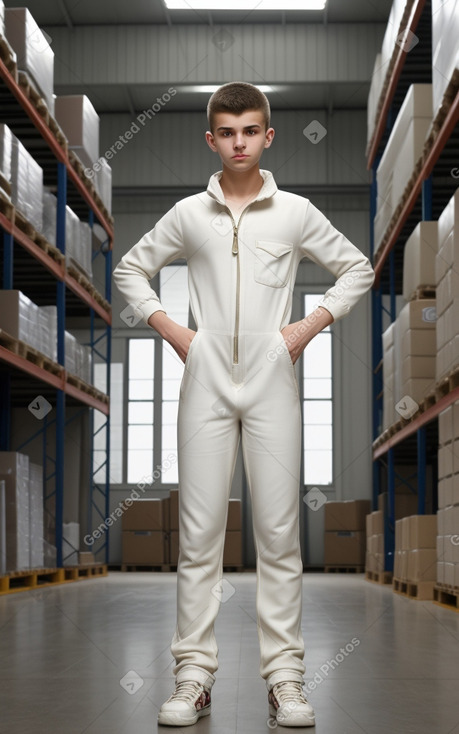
[
  {"x": 132, "y": 98},
  {"x": 114, "y": 12}
]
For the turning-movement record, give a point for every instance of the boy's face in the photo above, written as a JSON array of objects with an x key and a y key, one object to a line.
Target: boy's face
[{"x": 239, "y": 135}]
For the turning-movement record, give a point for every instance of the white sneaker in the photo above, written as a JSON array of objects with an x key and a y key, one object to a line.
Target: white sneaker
[
  {"x": 289, "y": 705},
  {"x": 188, "y": 703}
]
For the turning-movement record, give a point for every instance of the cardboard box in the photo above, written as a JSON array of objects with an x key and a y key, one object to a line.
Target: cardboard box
[
  {"x": 174, "y": 509},
  {"x": 34, "y": 53},
  {"x": 86, "y": 558},
  {"x": 405, "y": 533},
  {"x": 173, "y": 547},
  {"x": 419, "y": 258},
  {"x": 166, "y": 501},
  {"x": 404, "y": 565},
  {"x": 344, "y": 548},
  {"x": 445, "y": 491},
  {"x": 375, "y": 523},
  {"x": 440, "y": 572},
  {"x": 347, "y": 515},
  {"x": 422, "y": 531},
  {"x": 449, "y": 574},
  {"x": 234, "y": 520},
  {"x": 422, "y": 564},
  {"x": 455, "y": 489},
  {"x": 405, "y": 504},
  {"x": 232, "y": 552},
  {"x": 14, "y": 470},
  {"x": 79, "y": 121},
  {"x": 419, "y": 342},
  {"x": 145, "y": 514},
  {"x": 143, "y": 547}
]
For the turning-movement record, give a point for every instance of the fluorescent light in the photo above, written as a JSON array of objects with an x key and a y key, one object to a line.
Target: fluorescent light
[
  {"x": 211, "y": 88},
  {"x": 245, "y": 4}
]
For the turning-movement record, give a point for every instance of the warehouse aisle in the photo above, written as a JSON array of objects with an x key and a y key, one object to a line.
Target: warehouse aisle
[{"x": 64, "y": 651}]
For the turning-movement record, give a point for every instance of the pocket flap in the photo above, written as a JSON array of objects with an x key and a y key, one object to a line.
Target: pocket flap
[{"x": 275, "y": 248}]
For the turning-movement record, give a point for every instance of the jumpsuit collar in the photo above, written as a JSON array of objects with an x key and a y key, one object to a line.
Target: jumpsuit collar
[{"x": 268, "y": 189}]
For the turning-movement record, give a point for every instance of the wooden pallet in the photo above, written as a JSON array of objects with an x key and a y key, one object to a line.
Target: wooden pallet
[
  {"x": 344, "y": 569},
  {"x": 50, "y": 249},
  {"x": 22, "y": 349},
  {"x": 420, "y": 590},
  {"x": 32, "y": 94},
  {"x": 423, "y": 292},
  {"x": 24, "y": 224},
  {"x": 379, "y": 577},
  {"x": 7, "y": 56},
  {"x": 446, "y": 596},
  {"x": 6, "y": 206},
  {"x": 37, "y": 578}
]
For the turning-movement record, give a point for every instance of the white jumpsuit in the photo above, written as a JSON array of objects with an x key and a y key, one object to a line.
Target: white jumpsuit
[{"x": 239, "y": 381}]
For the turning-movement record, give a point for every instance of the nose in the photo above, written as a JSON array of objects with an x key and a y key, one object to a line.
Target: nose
[{"x": 239, "y": 141}]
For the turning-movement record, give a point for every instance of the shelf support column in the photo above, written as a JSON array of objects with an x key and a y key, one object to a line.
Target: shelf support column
[
  {"x": 389, "y": 515},
  {"x": 60, "y": 395},
  {"x": 427, "y": 199},
  {"x": 421, "y": 446}
]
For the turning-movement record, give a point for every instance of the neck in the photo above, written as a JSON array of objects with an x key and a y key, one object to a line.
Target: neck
[{"x": 241, "y": 185}]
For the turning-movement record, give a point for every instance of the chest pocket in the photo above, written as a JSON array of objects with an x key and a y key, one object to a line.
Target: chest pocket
[{"x": 272, "y": 262}]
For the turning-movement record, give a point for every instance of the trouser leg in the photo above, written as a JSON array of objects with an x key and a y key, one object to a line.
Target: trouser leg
[
  {"x": 207, "y": 451},
  {"x": 271, "y": 443}
]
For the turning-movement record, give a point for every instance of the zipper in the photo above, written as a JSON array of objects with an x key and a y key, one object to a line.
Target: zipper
[{"x": 235, "y": 251}]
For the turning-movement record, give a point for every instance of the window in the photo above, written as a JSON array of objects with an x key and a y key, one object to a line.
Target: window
[
  {"x": 116, "y": 424},
  {"x": 140, "y": 409},
  {"x": 317, "y": 403},
  {"x": 174, "y": 297},
  {"x": 144, "y": 414}
]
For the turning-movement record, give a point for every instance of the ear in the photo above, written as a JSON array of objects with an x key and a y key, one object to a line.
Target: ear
[
  {"x": 210, "y": 141},
  {"x": 269, "y": 137}
]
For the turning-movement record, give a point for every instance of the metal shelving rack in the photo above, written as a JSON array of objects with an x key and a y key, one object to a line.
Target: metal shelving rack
[
  {"x": 41, "y": 271},
  {"x": 416, "y": 439}
]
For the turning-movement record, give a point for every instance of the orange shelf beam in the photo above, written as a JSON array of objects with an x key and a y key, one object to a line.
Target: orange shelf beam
[
  {"x": 421, "y": 420},
  {"x": 448, "y": 126},
  {"x": 59, "y": 382},
  {"x": 416, "y": 12},
  {"x": 51, "y": 141},
  {"x": 57, "y": 270}
]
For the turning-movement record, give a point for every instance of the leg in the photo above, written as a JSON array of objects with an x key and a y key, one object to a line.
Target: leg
[
  {"x": 207, "y": 451},
  {"x": 271, "y": 442}
]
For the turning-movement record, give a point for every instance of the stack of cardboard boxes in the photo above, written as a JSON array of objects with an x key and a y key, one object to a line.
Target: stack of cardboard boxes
[
  {"x": 447, "y": 292},
  {"x": 405, "y": 504},
  {"x": 415, "y": 560},
  {"x": 448, "y": 498},
  {"x": 374, "y": 557},
  {"x": 345, "y": 533},
  {"x": 150, "y": 532}
]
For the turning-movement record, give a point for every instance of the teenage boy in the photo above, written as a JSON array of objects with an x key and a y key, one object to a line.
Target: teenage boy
[{"x": 243, "y": 239}]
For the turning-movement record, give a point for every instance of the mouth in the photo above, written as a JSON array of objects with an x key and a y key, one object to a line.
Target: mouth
[{"x": 240, "y": 156}]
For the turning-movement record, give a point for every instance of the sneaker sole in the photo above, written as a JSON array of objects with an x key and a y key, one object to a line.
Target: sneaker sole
[
  {"x": 175, "y": 719},
  {"x": 292, "y": 720}
]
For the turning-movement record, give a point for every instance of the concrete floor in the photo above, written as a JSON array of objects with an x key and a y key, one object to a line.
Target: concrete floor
[{"x": 64, "y": 650}]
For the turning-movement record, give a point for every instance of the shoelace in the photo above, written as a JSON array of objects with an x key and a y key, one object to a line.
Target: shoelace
[
  {"x": 187, "y": 690},
  {"x": 289, "y": 691}
]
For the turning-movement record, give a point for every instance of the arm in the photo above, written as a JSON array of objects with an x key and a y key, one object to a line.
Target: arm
[
  {"x": 326, "y": 246},
  {"x": 162, "y": 245}
]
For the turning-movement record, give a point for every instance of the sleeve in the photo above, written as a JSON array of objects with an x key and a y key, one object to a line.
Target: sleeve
[
  {"x": 326, "y": 246},
  {"x": 157, "y": 248}
]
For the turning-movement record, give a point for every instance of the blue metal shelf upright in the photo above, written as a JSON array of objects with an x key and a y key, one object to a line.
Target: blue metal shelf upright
[
  {"x": 74, "y": 296},
  {"x": 426, "y": 198}
]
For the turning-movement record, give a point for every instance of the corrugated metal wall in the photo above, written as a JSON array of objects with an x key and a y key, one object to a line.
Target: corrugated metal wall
[
  {"x": 188, "y": 53},
  {"x": 171, "y": 150}
]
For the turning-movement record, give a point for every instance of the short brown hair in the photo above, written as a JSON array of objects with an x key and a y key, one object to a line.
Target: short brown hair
[{"x": 236, "y": 98}]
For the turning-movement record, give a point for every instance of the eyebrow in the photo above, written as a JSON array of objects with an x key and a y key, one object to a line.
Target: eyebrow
[{"x": 247, "y": 127}]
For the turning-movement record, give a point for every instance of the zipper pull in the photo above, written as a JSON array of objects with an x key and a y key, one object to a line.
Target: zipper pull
[{"x": 235, "y": 243}]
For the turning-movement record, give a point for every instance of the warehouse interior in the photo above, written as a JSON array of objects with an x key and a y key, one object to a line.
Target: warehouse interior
[{"x": 102, "y": 132}]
